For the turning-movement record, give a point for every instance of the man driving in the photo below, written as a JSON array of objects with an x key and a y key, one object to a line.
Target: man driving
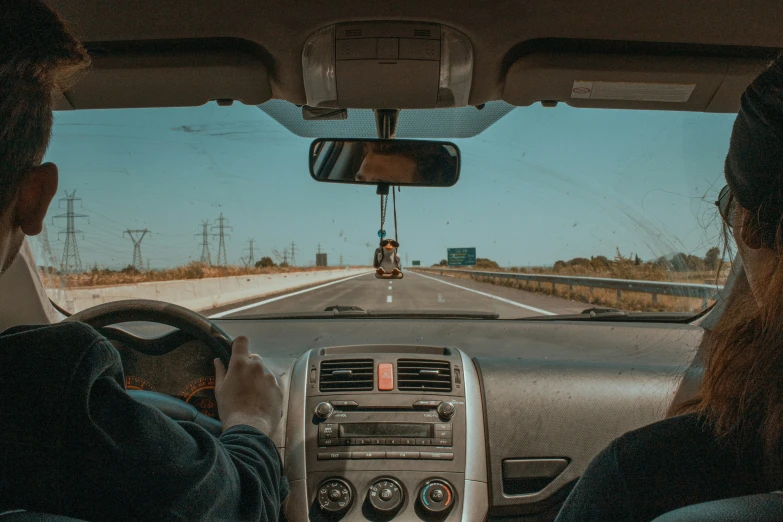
[{"x": 73, "y": 441}]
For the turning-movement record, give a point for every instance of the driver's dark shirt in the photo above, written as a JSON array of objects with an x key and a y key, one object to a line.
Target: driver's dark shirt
[
  {"x": 73, "y": 442},
  {"x": 667, "y": 465}
]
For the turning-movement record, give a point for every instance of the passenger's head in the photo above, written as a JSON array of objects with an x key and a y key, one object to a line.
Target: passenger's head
[
  {"x": 38, "y": 57},
  {"x": 402, "y": 162},
  {"x": 742, "y": 388}
]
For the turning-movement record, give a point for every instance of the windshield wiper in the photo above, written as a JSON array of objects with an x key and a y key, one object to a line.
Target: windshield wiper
[
  {"x": 611, "y": 314},
  {"x": 352, "y": 312}
]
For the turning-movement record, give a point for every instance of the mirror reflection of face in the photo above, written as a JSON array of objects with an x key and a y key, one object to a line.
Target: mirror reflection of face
[{"x": 387, "y": 168}]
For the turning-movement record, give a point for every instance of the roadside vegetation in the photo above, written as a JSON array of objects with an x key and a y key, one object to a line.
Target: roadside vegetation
[
  {"x": 677, "y": 268},
  {"x": 130, "y": 275}
]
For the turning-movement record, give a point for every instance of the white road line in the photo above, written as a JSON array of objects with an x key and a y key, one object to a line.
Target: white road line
[
  {"x": 272, "y": 300},
  {"x": 388, "y": 299},
  {"x": 501, "y": 299},
  {"x": 389, "y": 288}
]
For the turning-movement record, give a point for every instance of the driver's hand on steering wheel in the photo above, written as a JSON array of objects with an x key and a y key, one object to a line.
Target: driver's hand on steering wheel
[{"x": 247, "y": 393}]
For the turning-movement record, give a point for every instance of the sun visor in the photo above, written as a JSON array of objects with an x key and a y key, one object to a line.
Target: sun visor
[
  {"x": 170, "y": 79},
  {"x": 622, "y": 81},
  {"x": 395, "y": 65}
]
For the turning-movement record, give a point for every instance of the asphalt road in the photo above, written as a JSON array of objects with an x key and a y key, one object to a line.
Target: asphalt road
[{"x": 415, "y": 292}]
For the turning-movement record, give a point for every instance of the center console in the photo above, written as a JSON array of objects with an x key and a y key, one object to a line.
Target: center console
[{"x": 385, "y": 433}]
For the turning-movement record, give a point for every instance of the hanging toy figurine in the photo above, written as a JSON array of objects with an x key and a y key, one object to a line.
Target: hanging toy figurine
[{"x": 386, "y": 261}]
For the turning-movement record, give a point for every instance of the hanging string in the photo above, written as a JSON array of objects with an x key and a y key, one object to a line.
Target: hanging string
[
  {"x": 384, "y": 203},
  {"x": 394, "y": 204}
]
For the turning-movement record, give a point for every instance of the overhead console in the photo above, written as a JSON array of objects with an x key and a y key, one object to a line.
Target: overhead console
[
  {"x": 394, "y": 65},
  {"x": 381, "y": 432}
]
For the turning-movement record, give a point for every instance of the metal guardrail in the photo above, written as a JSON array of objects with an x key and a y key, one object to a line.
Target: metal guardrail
[{"x": 656, "y": 288}]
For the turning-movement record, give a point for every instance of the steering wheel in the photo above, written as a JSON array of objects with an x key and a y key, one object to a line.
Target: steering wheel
[{"x": 188, "y": 322}]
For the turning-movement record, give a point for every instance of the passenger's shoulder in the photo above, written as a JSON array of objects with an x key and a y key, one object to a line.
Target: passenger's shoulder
[{"x": 690, "y": 428}]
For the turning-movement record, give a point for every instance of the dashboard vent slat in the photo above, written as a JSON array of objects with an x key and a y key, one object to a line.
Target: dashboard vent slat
[
  {"x": 423, "y": 375},
  {"x": 422, "y": 33},
  {"x": 353, "y": 33},
  {"x": 346, "y": 375}
]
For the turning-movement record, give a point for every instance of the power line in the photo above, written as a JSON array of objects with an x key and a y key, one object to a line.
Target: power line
[
  {"x": 222, "y": 259},
  {"x": 71, "y": 262},
  {"x": 138, "y": 261},
  {"x": 206, "y": 259},
  {"x": 251, "y": 259},
  {"x": 293, "y": 253}
]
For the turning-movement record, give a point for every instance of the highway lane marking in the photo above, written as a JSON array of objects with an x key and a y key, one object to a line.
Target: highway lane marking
[
  {"x": 501, "y": 299},
  {"x": 272, "y": 300},
  {"x": 389, "y": 288},
  {"x": 388, "y": 299}
]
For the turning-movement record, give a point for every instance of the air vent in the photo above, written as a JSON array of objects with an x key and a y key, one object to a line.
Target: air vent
[
  {"x": 353, "y": 33},
  {"x": 346, "y": 375},
  {"x": 422, "y": 33},
  {"x": 419, "y": 374}
]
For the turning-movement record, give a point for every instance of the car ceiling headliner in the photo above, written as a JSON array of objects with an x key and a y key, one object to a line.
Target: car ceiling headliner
[{"x": 498, "y": 29}]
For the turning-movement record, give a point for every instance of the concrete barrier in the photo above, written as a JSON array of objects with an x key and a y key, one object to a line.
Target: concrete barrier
[{"x": 198, "y": 294}]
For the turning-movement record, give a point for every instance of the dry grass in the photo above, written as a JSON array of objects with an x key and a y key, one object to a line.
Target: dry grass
[
  {"x": 190, "y": 271},
  {"x": 629, "y": 301}
]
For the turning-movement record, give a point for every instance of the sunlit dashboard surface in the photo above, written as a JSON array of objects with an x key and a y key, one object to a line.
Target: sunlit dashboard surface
[{"x": 186, "y": 373}]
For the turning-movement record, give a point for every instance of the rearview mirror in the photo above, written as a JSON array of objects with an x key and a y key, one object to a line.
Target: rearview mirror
[{"x": 393, "y": 162}]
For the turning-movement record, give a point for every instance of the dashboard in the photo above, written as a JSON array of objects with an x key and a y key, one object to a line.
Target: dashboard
[{"x": 441, "y": 420}]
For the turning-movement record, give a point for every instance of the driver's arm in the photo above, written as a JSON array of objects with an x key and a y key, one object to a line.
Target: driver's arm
[{"x": 125, "y": 460}]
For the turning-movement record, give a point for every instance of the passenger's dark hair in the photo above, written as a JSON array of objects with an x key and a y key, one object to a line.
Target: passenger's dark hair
[
  {"x": 741, "y": 393},
  {"x": 433, "y": 162},
  {"x": 38, "y": 57}
]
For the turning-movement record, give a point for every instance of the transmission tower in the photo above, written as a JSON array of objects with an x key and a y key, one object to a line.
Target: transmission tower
[
  {"x": 46, "y": 249},
  {"x": 71, "y": 262},
  {"x": 251, "y": 259},
  {"x": 221, "y": 226},
  {"x": 206, "y": 259},
  {"x": 138, "y": 261},
  {"x": 341, "y": 260},
  {"x": 293, "y": 253}
]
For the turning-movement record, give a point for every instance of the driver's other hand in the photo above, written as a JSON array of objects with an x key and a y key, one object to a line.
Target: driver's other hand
[{"x": 247, "y": 393}]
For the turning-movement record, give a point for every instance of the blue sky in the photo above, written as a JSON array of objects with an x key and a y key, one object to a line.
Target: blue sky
[{"x": 537, "y": 186}]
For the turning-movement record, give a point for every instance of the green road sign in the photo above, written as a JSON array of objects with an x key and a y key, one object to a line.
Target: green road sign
[
  {"x": 461, "y": 256},
  {"x": 415, "y": 263}
]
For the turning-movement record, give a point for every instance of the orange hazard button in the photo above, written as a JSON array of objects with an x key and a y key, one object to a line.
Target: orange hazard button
[{"x": 385, "y": 376}]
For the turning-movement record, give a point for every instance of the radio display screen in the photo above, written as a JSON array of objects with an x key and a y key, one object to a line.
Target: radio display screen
[{"x": 385, "y": 429}]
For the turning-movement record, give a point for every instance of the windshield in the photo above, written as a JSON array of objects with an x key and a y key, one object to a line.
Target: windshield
[{"x": 213, "y": 208}]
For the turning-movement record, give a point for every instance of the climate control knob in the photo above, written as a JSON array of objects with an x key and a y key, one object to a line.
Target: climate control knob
[
  {"x": 446, "y": 410},
  {"x": 324, "y": 410},
  {"x": 436, "y": 496},
  {"x": 385, "y": 495},
  {"x": 335, "y": 496}
]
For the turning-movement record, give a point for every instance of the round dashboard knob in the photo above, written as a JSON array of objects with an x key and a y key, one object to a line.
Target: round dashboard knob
[
  {"x": 385, "y": 495},
  {"x": 446, "y": 410},
  {"x": 324, "y": 410},
  {"x": 436, "y": 496},
  {"x": 334, "y": 496}
]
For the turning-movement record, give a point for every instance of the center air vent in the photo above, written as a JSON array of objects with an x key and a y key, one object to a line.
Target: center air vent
[
  {"x": 346, "y": 375},
  {"x": 421, "y": 374}
]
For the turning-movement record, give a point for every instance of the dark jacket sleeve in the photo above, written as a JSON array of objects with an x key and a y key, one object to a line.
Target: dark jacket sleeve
[
  {"x": 130, "y": 461},
  {"x": 601, "y": 494}
]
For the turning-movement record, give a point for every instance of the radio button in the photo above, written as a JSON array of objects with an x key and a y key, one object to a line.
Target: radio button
[
  {"x": 345, "y": 404},
  {"x": 402, "y": 454},
  {"x": 335, "y": 456},
  {"x": 393, "y": 442},
  {"x": 426, "y": 404},
  {"x": 328, "y": 442},
  {"x": 327, "y": 428},
  {"x": 423, "y": 442},
  {"x": 443, "y": 427},
  {"x": 408, "y": 442},
  {"x": 368, "y": 455},
  {"x": 443, "y": 442},
  {"x": 361, "y": 442},
  {"x": 439, "y": 434},
  {"x": 436, "y": 456},
  {"x": 377, "y": 442}
]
